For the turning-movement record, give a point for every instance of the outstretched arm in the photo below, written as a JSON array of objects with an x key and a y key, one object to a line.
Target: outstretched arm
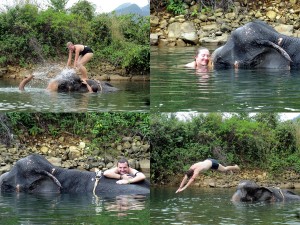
[
  {"x": 182, "y": 183},
  {"x": 24, "y": 82},
  {"x": 196, "y": 172}
]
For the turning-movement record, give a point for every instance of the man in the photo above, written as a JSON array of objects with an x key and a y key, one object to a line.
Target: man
[
  {"x": 202, "y": 58},
  {"x": 124, "y": 173},
  {"x": 196, "y": 168},
  {"x": 83, "y": 54}
]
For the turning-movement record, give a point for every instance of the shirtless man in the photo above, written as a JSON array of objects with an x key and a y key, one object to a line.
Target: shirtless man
[
  {"x": 83, "y": 54},
  {"x": 124, "y": 173},
  {"x": 201, "y": 59},
  {"x": 196, "y": 168}
]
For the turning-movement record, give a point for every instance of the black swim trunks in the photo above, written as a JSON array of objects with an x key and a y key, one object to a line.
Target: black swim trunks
[
  {"x": 86, "y": 50},
  {"x": 215, "y": 164}
]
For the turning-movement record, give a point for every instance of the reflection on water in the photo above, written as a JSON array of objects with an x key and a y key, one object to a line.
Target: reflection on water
[
  {"x": 133, "y": 96},
  {"x": 175, "y": 88},
  {"x": 55, "y": 209},
  {"x": 213, "y": 206}
]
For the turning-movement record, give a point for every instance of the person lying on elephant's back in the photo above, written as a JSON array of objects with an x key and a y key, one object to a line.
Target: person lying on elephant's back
[
  {"x": 124, "y": 173},
  {"x": 196, "y": 168},
  {"x": 202, "y": 59}
]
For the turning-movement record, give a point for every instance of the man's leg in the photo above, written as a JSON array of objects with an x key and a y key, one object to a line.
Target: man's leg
[{"x": 226, "y": 168}]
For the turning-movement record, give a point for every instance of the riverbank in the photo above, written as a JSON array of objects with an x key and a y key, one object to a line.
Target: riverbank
[
  {"x": 214, "y": 27},
  {"x": 213, "y": 179},
  {"x": 104, "y": 72},
  {"x": 72, "y": 152}
]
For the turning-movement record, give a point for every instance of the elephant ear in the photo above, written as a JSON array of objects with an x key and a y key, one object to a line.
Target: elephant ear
[
  {"x": 46, "y": 182},
  {"x": 276, "y": 47},
  {"x": 263, "y": 194}
]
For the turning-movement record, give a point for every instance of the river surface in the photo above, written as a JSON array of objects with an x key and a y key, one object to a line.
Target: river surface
[
  {"x": 65, "y": 209},
  {"x": 132, "y": 96},
  {"x": 213, "y": 206},
  {"x": 175, "y": 88}
]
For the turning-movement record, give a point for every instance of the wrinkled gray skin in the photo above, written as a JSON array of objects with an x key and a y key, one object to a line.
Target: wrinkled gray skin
[
  {"x": 34, "y": 174},
  {"x": 258, "y": 45},
  {"x": 248, "y": 191},
  {"x": 74, "y": 84}
]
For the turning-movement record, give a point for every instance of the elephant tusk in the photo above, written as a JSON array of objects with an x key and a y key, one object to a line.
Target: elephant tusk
[
  {"x": 277, "y": 47},
  {"x": 280, "y": 191}
]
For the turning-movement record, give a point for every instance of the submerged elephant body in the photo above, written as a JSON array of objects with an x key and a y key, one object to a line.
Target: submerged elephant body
[
  {"x": 34, "y": 174},
  {"x": 71, "y": 82},
  {"x": 258, "y": 45},
  {"x": 248, "y": 191}
]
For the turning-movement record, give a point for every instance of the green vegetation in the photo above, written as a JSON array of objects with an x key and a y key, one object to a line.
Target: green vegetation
[
  {"x": 29, "y": 35},
  {"x": 262, "y": 142},
  {"x": 98, "y": 128}
]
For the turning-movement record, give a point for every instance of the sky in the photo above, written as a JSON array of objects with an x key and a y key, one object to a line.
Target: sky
[{"x": 102, "y": 6}]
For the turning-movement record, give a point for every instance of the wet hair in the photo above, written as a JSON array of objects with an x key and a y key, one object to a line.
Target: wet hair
[
  {"x": 123, "y": 160},
  {"x": 199, "y": 50},
  {"x": 189, "y": 173},
  {"x": 68, "y": 44}
]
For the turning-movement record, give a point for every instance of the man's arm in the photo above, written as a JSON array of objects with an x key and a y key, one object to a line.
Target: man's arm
[
  {"x": 182, "y": 183},
  {"x": 112, "y": 173},
  {"x": 139, "y": 176},
  {"x": 196, "y": 172}
]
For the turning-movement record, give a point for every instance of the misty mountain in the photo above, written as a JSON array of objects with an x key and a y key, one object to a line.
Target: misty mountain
[{"x": 127, "y": 8}]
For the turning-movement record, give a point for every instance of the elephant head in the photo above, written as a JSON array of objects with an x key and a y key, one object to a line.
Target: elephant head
[
  {"x": 257, "y": 45},
  {"x": 30, "y": 174},
  {"x": 248, "y": 191}
]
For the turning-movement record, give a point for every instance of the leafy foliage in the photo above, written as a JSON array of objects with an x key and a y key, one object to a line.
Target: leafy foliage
[
  {"x": 97, "y": 127},
  {"x": 175, "y": 6},
  {"x": 262, "y": 142},
  {"x": 29, "y": 35}
]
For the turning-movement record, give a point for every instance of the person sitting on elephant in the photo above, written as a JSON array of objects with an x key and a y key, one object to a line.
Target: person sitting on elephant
[
  {"x": 196, "y": 168},
  {"x": 124, "y": 173},
  {"x": 202, "y": 59},
  {"x": 83, "y": 54}
]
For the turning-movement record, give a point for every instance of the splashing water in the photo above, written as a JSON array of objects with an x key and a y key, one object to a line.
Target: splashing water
[{"x": 66, "y": 74}]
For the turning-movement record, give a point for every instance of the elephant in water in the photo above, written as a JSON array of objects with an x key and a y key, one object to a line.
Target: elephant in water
[
  {"x": 258, "y": 45},
  {"x": 34, "y": 174},
  {"x": 248, "y": 191},
  {"x": 71, "y": 82}
]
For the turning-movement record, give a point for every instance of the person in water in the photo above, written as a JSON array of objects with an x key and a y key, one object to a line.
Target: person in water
[
  {"x": 83, "y": 54},
  {"x": 202, "y": 59},
  {"x": 74, "y": 84},
  {"x": 196, "y": 168}
]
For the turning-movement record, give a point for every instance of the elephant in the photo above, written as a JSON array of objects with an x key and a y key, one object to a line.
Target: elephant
[
  {"x": 257, "y": 45},
  {"x": 35, "y": 174},
  {"x": 72, "y": 83},
  {"x": 249, "y": 191}
]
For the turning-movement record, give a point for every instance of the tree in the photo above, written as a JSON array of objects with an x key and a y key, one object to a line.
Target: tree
[
  {"x": 84, "y": 8},
  {"x": 58, "y": 5}
]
